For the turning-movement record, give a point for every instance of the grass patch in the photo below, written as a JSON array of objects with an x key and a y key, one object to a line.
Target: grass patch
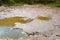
[
  {"x": 54, "y": 4},
  {"x": 11, "y": 21}
]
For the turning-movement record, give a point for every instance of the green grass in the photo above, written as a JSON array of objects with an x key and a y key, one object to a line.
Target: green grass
[
  {"x": 54, "y": 4},
  {"x": 11, "y": 21}
]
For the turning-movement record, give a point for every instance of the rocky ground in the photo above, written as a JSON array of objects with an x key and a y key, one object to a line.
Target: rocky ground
[{"x": 49, "y": 30}]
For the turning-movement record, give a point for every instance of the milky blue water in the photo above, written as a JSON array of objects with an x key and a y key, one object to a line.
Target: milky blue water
[{"x": 7, "y": 32}]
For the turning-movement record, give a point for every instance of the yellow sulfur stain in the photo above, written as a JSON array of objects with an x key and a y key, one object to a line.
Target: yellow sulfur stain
[
  {"x": 12, "y": 20},
  {"x": 43, "y": 18}
]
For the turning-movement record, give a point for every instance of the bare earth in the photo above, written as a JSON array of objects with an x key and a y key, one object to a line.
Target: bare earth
[{"x": 32, "y": 11}]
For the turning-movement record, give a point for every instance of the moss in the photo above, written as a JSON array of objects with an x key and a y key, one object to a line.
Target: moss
[
  {"x": 11, "y": 21},
  {"x": 43, "y": 18}
]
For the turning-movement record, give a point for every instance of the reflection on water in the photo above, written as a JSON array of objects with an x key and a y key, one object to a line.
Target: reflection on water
[{"x": 7, "y": 32}]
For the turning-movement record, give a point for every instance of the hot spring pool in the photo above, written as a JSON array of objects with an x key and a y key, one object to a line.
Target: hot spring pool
[{"x": 7, "y": 32}]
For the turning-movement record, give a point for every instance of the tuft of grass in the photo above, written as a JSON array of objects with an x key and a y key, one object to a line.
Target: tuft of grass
[
  {"x": 11, "y": 21},
  {"x": 43, "y": 18},
  {"x": 54, "y": 4}
]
